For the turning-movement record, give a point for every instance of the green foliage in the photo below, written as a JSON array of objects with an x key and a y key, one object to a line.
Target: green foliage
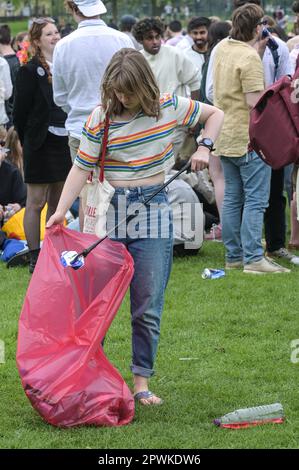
[{"x": 236, "y": 332}]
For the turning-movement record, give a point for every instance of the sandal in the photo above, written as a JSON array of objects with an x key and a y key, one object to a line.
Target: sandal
[{"x": 147, "y": 395}]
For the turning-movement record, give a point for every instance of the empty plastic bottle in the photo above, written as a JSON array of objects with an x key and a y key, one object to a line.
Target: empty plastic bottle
[{"x": 254, "y": 416}]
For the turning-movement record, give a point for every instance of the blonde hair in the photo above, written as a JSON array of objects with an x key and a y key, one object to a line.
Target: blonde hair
[
  {"x": 244, "y": 22},
  {"x": 129, "y": 72}
]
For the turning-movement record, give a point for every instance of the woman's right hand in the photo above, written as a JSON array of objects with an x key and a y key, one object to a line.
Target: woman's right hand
[{"x": 56, "y": 218}]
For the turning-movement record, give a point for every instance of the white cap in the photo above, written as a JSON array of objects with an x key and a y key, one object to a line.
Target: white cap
[{"x": 90, "y": 8}]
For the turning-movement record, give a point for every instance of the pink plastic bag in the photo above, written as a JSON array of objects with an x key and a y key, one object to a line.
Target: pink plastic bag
[{"x": 66, "y": 314}]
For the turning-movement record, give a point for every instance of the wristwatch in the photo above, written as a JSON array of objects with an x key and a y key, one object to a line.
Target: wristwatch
[{"x": 206, "y": 142}]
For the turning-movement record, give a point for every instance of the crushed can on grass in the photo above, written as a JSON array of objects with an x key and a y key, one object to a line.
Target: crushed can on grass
[
  {"x": 213, "y": 273},
  {"x": 247, "y": 417}
]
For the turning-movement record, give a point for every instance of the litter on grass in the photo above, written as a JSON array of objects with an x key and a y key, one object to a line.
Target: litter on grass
[{"x": 255, "y": 416}]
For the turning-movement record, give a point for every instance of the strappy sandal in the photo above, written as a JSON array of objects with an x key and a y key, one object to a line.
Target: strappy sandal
[{"x": 147, "y": 395}]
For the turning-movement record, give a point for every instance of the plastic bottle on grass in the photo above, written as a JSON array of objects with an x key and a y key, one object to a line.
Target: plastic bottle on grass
[{"x": 254, "y": 416}]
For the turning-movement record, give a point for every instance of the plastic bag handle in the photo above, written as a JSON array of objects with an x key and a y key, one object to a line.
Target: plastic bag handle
[{"x": 104, "y": 148}]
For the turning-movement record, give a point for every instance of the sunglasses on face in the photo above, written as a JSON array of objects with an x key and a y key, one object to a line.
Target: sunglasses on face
[
  {"x": 43, "y": 20},
  {"x": 263, "y": 22}
]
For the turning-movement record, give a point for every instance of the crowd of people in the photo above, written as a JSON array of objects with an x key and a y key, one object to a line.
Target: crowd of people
[{"x": 167, "y": 96}]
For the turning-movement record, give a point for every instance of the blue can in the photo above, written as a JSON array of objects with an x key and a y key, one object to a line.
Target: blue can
[
  {"x": 67, "y": 258},
  {"x": 213, "y": 273}
]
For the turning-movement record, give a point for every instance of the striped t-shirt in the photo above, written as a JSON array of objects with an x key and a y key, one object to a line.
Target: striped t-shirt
[{"x": 140, "y": 147}]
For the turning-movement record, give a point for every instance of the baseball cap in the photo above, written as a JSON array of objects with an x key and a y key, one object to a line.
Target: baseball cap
[{"x": 90, "y": 7}]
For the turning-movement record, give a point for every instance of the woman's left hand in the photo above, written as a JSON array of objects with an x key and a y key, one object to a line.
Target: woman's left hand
[{"x": 200, "y": 159}]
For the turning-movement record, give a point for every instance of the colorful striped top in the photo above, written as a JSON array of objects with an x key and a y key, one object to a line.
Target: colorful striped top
[{"x": 138, "y": 148}]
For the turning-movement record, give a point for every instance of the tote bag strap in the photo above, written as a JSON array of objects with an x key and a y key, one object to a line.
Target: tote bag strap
[{"x": 104, "y": 148}]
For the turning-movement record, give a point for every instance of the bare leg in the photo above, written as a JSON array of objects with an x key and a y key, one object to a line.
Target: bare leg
[
  {"x": 141, "y": 385},
  {"x": 53, "y": 197},
  {"x": 217, "y": 177},
  {"x": 36, "y": 200}
]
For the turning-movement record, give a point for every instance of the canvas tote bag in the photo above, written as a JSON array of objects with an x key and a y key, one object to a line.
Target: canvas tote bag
[{"x": 99, "y": 195}]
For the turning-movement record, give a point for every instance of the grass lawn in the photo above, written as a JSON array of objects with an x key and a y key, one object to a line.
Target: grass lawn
[
  {"x": 18, "y": 26},
  {"x": 237, "y": 330}
]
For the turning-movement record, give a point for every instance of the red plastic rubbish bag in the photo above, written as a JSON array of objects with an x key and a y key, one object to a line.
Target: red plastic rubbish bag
[{"x": 66, "y": 314}]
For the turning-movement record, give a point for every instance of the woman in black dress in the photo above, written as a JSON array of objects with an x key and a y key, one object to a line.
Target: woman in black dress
[{"x": 40, "y": 126}]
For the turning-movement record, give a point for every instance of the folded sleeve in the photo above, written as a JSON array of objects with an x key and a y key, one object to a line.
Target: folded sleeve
[
  {"x": 89, "y": 150},
  {"x": 252, "y": 74},
  {"x": 187, "y": 111}
]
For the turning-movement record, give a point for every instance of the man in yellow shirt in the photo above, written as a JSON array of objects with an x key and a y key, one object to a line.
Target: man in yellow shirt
[{"x": 238, "y": 83}]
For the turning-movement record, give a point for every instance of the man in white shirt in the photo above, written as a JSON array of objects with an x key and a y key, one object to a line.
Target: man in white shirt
[
  {"x": 79, "y": 62},
  {"x": 5, "y": 89},
  {"x": 198, "y": 30},
  {"x": 174, "y": 72}
]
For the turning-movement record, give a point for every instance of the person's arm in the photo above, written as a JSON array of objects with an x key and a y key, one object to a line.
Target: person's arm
[
  {"x": 284, "y": 64},
  {"x": 252, "y": 79},
  {"x": 252, "y": 98},
  {"x": 24, "y": 91},
  {"x": 212, "y": 118},
  {"x": 209, "y": 80},
  {"x": 60, "y": 92},
  {"x": 74, "y": 183},
  {"x": 87, "y": 158},
  {"x": 189, "y": 113}
]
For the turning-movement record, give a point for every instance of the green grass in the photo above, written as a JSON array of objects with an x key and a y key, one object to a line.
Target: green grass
[
  {"x": 238, "y": 331},
  {"x": 17, "y": 26}
]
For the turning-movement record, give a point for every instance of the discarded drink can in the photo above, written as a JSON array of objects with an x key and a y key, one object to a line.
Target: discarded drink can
[
  {"x": 67, "y": 259},
  {"x": 247, "y": 417},
  {"x": 212, "y": 273}
]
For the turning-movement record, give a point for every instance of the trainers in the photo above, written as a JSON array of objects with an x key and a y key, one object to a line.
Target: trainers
[
  {"x": 283, "y": 253},
  {"x": 234, "y": 265},
  {"x": 264, "y": 266},
  {"x": 215, "y": 234}
]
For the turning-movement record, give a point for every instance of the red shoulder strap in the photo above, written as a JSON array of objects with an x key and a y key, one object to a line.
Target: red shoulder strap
[{"x": 104, "y": 148}]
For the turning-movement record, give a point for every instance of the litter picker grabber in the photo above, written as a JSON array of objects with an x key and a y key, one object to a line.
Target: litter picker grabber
[{"x": 76, "y": 260}]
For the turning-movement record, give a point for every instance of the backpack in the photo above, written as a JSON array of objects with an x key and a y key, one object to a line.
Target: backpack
[{"x": 274, "y": 123}]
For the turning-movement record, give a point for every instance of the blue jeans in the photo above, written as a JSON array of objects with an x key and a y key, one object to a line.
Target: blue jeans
[
  {"x": 149, "y": 239},
  {"x": 246, "y": 197}
]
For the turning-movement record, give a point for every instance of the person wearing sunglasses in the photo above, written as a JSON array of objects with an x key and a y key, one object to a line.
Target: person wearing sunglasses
[{"x": 40, "y": 124}]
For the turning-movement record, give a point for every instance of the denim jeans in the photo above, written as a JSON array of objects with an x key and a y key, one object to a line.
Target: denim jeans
[
  {"x": 246, "y": 197},
  {"x": 149, "y": 239},
  {"x": 275, "y": 215}
]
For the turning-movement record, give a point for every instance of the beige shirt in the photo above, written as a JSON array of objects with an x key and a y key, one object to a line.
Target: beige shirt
[
  {"x": 237, "y": 69},
  {"x": 197, "y": 58},
  {"x": 174, "y": 72}
]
